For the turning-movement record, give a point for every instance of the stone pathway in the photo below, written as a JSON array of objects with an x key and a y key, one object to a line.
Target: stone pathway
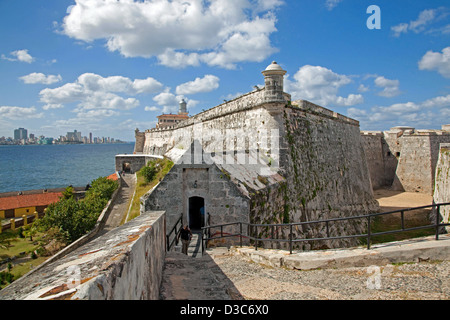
[
  {"x": 121, "y": 205},
  {"x": 189, "y": 278}
]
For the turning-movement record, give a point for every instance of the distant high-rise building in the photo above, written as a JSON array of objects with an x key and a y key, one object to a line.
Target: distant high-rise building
[
  {"x": 74, "y": 136},
  {"x": 90, "y": 137},
  {"x": 20, "y": 134}
]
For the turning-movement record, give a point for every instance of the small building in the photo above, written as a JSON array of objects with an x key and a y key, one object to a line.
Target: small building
[
  {"x": 169, "y": 120},
  {"x": 26, "y": 204}
]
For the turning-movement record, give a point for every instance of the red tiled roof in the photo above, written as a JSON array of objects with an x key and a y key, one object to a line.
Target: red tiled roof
[
  {"x": 29, "y": 200},
  {"x": 173, "y": 116},
  {"x": 113, "y": 177}
]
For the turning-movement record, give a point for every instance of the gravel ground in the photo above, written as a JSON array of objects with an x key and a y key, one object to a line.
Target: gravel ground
[{"x": 412, "y": 281}]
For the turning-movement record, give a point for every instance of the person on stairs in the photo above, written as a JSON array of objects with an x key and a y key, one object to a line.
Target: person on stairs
[{"x": 186, "y": 236}]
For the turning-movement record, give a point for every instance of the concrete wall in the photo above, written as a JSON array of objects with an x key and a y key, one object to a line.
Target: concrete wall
[
  {"x": 442, "y": 184},
  {"x": 123, "y": 264}
]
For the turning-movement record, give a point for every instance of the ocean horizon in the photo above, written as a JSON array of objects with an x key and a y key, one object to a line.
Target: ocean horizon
[{"x": 32, "y": 167}]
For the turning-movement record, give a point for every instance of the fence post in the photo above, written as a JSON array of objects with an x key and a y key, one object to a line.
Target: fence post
[
  {"x": 437, "y": 221},
  {"x": 13, "y": 224},
  {"x": 290, "y": 239},
  {"x": 25, "y": 220},
  {"x": 256, "y": 237},
  {"x": 240, "y": 233},
  {"x": 368, "y": 232}
]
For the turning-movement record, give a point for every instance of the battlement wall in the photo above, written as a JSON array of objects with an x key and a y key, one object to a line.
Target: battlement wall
[{"x": 124, "y": 264}]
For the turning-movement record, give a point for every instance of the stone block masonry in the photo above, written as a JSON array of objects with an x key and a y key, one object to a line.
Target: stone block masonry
[
  {"x": 310, "y": 164},
  {"x": 124, "y": 264},
  {"x": 404, "y": 158}
]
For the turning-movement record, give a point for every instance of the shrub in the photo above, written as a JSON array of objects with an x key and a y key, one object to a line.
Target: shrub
[
  {"x": 148, "y": 172},
  {"x": 70, "y": 218}
]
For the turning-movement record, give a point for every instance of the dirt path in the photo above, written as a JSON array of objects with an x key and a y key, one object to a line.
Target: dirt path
[{"x": 395, "y": 200}]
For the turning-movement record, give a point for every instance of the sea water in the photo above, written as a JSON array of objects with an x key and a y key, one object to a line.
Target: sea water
[{"x": 32, "y": 167}]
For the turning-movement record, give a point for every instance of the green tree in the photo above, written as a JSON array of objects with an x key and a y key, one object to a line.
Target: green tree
[
  {"x": 72, "y": 219},
  {"x": 68, "y": 192}
]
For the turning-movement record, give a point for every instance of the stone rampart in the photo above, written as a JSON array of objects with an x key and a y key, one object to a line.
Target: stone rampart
[
  {"x": 322, "y": 160},
  {"x": 403, "y": 158},
  {"x": 123, "y": 264}
]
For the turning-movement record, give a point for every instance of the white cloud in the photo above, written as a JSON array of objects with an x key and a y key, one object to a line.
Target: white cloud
[
  {"x": 423, "y": 114},
  {"x": 19, "y": 55},
  {"x": 50, "y": 106},
  {"x": 151, "y": 108},
  {"x": 424, "y": 20},
  {"x": 363, "y": 88},
  {"x": 321, "y": 85},
  {"x": 181, "y": 32},
  {"x": 390, "y": 87},
  {"x": 331, "y": 4},
  {"x": 437, "y": 61},
  {"x": 93, "y": 91},
  {"x": 206, "y": 84},
  {"x": 98, "y": 96},
  {"x": 19, "y": 113},
  {"x": 35, "y": 77},
  {"x": 171, "y": 102}
]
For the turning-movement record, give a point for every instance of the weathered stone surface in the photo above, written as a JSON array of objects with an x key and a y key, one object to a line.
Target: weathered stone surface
[
  {"x": 404, "y": 158},
  {"x": 125, "y": 263},
  {"x": 442, "y": 184}
]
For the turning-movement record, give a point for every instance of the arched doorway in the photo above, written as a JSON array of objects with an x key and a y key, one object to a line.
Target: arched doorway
[
  {"x": 196, "y": 213},
  {"x": 126, "y": 167}
]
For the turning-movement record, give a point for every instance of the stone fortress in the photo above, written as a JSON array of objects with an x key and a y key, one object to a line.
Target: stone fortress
[
  {"x": 259, "y": 158},
  {"x": 266, "y": 159}
]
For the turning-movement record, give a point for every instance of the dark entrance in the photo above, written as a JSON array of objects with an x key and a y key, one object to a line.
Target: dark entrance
[
  {"x": 126, "y": 167},
  {"x": 196, "y": 213}
]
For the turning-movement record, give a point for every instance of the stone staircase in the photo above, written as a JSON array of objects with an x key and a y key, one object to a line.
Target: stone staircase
[{"x": 195, "y": 247}]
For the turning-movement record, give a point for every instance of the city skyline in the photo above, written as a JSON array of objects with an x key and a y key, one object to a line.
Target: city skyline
[
  {"x": 21, "y": 136},
  {"x": 65, "y": 65}
]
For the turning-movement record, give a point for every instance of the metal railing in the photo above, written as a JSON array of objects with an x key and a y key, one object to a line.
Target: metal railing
[
  {"x": 174, "y": 231},
  {"x": 252, "y": 229}
]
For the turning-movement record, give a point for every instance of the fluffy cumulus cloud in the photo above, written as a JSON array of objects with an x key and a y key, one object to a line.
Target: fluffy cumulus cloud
[
  {"x": 390, "y": 87},
  {"x": 19, "y": 55},
  {"x": 179, "y": 33},
  {"x": 102, "y": 94},
  {"x": 206, "y": 84},
  {"x": 321, "y": 85},
  {"x": 19, "y": 113},
  {"x": 422, "y": 115},
  {"x": 437, "y": 61},
  {"x": 426, "y": 22},
  {"x": 170, "y": 102},
  {"x": 41, "y": 78}
]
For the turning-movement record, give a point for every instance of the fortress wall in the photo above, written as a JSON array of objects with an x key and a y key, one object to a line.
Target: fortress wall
[
  {"x": 442, "y": 183},
  {"x": 124, "y": 264},
  {"x": 417, "y": 161},
  {"x": 244, "y": 113},
  {"x": 140, "y": 142},
  {"x": 326, "y": 174},
  {"x": 374, "y": 151}
]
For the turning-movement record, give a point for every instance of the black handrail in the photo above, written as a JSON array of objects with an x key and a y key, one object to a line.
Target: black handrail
[
  {"x": 174, "y": 230},
  {"x": 437, "y": 225}
]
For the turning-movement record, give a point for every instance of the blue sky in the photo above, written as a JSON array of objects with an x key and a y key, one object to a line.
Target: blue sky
[{"x": 108, "y": 67}]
